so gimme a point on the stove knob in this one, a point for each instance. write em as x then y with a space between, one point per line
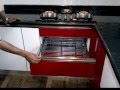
77 15
60 17
71 17
89 15
43 14
65 17
54 15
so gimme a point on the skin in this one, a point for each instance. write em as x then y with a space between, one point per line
7 19
30 57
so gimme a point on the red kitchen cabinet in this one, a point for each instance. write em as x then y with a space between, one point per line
64 69
100 58
74 69
61 32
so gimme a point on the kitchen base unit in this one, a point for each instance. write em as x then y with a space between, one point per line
65 51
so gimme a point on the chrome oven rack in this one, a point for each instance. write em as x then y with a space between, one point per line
65 49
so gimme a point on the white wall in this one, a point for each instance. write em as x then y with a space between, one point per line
1 4
36 2
65 2
109 79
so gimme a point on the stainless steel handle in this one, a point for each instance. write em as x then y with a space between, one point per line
57 46
69 59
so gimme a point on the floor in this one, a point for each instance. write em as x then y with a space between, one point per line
18 80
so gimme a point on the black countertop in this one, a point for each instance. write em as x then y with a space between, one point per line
108 31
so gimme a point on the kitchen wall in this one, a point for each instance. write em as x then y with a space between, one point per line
65 2
1 4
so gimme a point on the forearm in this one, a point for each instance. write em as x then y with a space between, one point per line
30 57
12 49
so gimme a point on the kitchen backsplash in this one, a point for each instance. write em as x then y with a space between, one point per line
37 9
63 2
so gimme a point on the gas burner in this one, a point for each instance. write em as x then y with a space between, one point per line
49 15
83 14
65 15
66 11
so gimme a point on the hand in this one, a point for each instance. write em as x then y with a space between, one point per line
32 58
11 20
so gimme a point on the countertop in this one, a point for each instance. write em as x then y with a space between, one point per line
108 31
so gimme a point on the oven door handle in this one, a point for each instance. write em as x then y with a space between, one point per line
69 59
64 59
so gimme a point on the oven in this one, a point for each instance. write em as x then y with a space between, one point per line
65 51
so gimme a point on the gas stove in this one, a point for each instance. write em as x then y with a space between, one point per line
65 15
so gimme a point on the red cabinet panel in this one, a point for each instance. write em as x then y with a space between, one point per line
63 69
72 69
52 32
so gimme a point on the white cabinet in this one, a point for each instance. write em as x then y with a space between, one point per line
10 61
23 38
31 41
109 79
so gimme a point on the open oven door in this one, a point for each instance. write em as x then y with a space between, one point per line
64 56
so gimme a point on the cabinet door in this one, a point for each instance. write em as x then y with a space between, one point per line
10 61
109 79
31 41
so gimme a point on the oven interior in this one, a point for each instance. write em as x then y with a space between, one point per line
62 49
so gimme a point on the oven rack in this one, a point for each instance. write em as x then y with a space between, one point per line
64 47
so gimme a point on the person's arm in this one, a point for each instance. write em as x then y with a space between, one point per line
30 57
